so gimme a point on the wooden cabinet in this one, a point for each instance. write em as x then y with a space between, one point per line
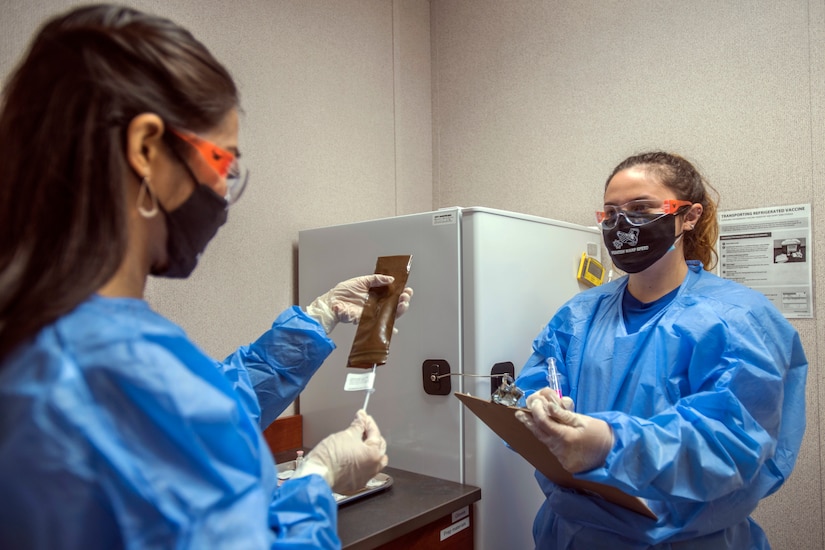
446 533
417 511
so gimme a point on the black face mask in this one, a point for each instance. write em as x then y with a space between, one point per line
190 227
634 248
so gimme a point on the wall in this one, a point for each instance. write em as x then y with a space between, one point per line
534 103
336 128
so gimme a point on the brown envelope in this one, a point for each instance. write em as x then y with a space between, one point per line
371 345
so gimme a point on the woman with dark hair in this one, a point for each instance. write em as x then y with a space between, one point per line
121 132
679 387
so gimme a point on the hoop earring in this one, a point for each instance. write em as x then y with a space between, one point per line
144 189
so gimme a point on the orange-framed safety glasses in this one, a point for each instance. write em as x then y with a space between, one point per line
215 167
638 212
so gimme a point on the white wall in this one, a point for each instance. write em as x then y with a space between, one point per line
325 121
337 128
331 136
535 102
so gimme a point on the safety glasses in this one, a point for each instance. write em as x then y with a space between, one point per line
215 167
639 212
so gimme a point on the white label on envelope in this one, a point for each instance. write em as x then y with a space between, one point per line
359 382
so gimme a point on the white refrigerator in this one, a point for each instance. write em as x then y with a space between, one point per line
486 282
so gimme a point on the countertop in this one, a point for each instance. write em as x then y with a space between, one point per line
413 501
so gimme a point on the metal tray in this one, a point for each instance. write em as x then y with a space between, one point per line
381 482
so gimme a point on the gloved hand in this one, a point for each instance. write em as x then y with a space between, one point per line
348 459
345 302
580 442
403 305
566 402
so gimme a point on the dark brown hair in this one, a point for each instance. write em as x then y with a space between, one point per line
63 119
679 175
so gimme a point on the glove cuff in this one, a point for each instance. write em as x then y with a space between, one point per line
600 448
320 310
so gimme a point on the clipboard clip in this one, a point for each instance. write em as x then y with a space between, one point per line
508 393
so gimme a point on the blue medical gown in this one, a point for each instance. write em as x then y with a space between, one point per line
117 431
707 406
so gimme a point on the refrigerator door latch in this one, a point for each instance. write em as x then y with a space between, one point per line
436 377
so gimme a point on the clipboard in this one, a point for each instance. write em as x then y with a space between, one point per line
502 420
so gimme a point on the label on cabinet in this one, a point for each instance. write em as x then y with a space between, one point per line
455 528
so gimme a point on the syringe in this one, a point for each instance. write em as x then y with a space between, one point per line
553 377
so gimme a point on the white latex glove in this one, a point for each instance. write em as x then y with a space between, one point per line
345 301
566 402
403 305
348 459
580 442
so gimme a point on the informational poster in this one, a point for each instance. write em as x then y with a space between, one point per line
768 249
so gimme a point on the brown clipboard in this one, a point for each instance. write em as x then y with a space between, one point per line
502 420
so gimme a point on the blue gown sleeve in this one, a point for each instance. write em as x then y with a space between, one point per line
147 446
720 390
271 372
533 375
199 433
739 421
304 514
706 403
